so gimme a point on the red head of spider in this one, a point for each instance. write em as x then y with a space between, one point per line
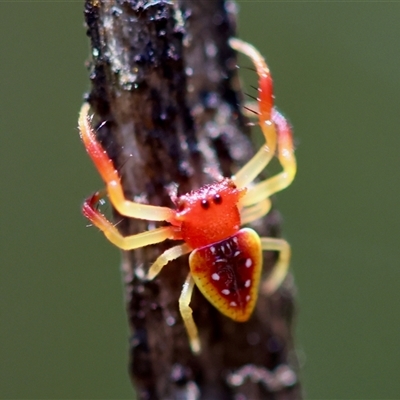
209 214
225 260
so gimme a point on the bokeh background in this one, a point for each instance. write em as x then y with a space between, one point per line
336 67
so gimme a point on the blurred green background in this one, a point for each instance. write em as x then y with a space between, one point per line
63 331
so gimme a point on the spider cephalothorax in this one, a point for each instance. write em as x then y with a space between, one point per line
209 214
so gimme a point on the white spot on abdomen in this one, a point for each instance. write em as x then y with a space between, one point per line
215 277
248 263
226 291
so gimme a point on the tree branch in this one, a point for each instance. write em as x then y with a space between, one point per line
166 93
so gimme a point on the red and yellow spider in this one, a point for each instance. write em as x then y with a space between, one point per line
225 261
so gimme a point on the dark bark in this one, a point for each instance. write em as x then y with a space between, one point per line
164 80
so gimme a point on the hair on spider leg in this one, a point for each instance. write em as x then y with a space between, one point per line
252 69
123 164
246 67
254 87
251 110
102 203
97 205
252 97
101 125
115 224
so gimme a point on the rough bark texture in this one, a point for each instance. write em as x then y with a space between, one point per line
165 81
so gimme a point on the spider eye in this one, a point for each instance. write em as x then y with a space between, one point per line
205 204
217 199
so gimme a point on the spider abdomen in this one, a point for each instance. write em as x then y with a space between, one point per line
228 273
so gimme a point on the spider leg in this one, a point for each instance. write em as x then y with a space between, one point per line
286 157
157 235
265 105
186 313
281 267
256 211
112 179
186 295
166 257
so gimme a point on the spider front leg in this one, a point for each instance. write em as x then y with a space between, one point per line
265 106
112 179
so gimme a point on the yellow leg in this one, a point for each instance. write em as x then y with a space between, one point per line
252 213
166 257
266 188
111 177
111 232
186 313
265 105
281 267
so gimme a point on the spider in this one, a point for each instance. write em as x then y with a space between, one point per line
225 260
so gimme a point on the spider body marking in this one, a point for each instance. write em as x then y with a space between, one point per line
225 260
